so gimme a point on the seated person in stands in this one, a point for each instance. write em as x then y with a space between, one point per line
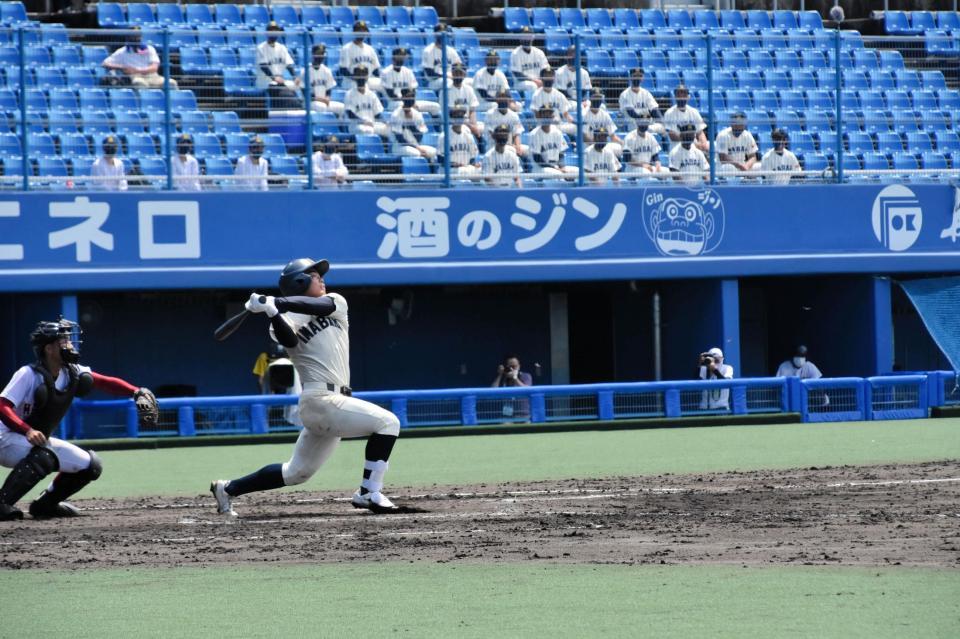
185 168
432 59
362 106
502 115
736 148
779 158
460 94
526 63
328 166
550 97
641 150
547 147
358 53
567 77
686 160
799 366
490 81
501 165
273 60
682 113
397 78
637 103
599 160
407 127
109 168
463 145
322 82
135 64
253 168
597 117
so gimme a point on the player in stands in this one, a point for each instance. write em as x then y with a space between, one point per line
736 148
432 60
567 76
501 164
460 94
599 160
463 145
397 78
489 81
686 160
526 62
641 150
502 115
779 158
357 53
680 114
407 128
639 104
597 117
548 145
548 96
322 82
362 107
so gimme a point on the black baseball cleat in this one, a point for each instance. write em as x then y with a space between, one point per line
10 513
40 510
375 502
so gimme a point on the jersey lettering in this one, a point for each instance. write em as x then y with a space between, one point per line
315 326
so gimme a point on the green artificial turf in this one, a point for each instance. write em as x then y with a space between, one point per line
485 601
452 461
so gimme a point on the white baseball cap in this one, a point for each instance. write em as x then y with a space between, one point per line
715 352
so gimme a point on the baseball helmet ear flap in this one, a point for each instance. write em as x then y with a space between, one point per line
295 278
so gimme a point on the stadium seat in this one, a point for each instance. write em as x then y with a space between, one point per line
876 122
60 98
141 14
851 162
811 21
13 14
67 55
922 21
758 20
515 19
598 19
948 142
905 121
813 161
935 120
92 56
818 121
764 99
140 145
54 34
396 18
881 80
948 20
933 80
666 81
36 56
896 100
240 82
738 100
813 59
9 145
855 81
918 142
207 145
41 145
787 60
732 20
949 100
777 80
896 23
415 166
679 19
785 20
695 80
544 18
908 79
198 15
905 162
889 143
49 78
626 19
747 79
826 79
110 15
423 17
170 14
273 144
788 120
236 144
891 60
925 101
371 15
820 99
705 20
572 19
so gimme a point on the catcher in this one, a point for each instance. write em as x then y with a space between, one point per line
32 405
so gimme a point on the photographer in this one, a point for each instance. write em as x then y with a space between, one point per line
509 374
711 367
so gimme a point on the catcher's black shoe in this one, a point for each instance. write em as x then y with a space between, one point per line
10 513
42 510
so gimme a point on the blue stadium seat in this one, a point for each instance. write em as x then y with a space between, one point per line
846 60
54 34
60 98
397 18
939 43
680 60
851 162
41 145
792 99
198 14
342 17
371 15
787 60
732 20
746 79
183 100
896 23
557 41
818 121
13 14
679 19
66 55
738 100
571 19
93 99
91 55
52 167
777 80
905 162
194 122
788 120
734 60
515 19
415 166
866 59
599 19
897 100
873 161
758 20
273 144
800 40
62 121
206 145
889 143
813 161
156 166
219 166
933 80
949 100
948 142
626 19
228 16
9 145
802 142
820 99
811 21
79 78
193 61
237 144
948 20
760 60
905 121
256 16
240 82
423 17
695 80
876 121
223 58
370 150
881 80
925 101
313 16
38 56
826 79
140 145
891 59
653 60
851 40
128 121
934 160
918 142
765 99
110 14
124 99
9 56
855 81
170 14
544 18
908 80
286 16
652 19
922 21
141 14
152 100
705 20
50 77
785 20
73 144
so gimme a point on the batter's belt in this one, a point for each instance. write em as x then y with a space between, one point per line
333 388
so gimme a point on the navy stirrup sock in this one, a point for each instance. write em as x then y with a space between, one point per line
266 478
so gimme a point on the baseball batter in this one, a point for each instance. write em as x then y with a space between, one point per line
313 326
31 407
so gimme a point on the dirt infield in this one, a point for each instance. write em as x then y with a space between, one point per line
868 516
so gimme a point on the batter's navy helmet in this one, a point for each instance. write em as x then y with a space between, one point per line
295 278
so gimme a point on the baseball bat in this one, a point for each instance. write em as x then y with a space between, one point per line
229 327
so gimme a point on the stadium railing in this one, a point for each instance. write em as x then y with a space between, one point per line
837 399
895 119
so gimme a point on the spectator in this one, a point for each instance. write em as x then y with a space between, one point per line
432 61
736 148
711 367
109 167
567 77
502 115
779 158
185 168
135 64
509 374
597 117
600 160
642 150
548 145
639 104
328 166
397 78
490 81
358 53
362 106
502 160
462 95
252 169
526 62
688 161
273 60
681 113
463 145
277 376
799 366
408 127
321 82
548 96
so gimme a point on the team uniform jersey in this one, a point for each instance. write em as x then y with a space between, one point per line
674 118
433 58
322 353
566 81
550 98
739 148
691 162
463 147
254 172
548 144
773 161
395 82
604 161
594 120
366 106
111 169
321 81
488 85
495 118
462 96
185 173
21 388
641 101
276 57
527 66
326 170
644 149
354 55
505 164
138 59
401 123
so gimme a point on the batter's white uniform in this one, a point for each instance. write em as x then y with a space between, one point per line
566 81
690 163
773 161
14 446
328 168
644 149
738 147
252 175
526 67
354 55
322 360
463 150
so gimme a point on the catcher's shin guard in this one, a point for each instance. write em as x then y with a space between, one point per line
38 463
64 485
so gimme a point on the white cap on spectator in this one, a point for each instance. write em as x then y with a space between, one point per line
715 352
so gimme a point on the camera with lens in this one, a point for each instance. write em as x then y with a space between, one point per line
706 358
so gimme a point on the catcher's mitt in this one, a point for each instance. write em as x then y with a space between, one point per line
148 411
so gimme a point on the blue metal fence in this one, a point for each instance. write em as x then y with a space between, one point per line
837 399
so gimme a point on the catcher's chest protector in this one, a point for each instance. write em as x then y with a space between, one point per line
51 405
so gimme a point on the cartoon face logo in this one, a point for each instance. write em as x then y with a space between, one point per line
683 226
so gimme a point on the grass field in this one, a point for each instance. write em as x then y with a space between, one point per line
506 600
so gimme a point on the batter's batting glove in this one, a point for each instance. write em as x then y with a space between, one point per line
148 411
268 306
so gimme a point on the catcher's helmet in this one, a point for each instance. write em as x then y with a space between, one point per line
295 278
62 330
